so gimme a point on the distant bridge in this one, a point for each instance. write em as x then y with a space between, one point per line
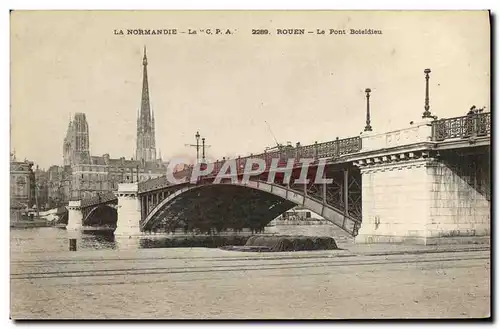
94 210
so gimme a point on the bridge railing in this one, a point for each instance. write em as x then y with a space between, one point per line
100 198
159 182
477 124
331 149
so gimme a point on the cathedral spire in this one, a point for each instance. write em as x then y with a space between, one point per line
146 150
145 107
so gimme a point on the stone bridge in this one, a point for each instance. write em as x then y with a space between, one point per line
92 211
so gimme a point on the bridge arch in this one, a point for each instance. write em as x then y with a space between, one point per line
285 197
103 214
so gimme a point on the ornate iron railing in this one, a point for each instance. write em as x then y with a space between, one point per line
332 149
472 125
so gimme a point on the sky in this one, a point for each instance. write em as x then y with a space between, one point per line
306 87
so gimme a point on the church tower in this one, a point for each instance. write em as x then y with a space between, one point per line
146 146
76 143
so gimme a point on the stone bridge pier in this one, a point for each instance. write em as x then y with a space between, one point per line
412 192
129 210
75 216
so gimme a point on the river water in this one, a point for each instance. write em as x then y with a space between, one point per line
52 239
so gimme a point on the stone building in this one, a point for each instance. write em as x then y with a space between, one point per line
22 183
42 188
59 185
94 174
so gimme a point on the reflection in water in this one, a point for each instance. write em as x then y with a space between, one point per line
51 239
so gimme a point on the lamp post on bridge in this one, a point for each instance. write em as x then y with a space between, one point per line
427 113
368 127
197 136
203 150
197 145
